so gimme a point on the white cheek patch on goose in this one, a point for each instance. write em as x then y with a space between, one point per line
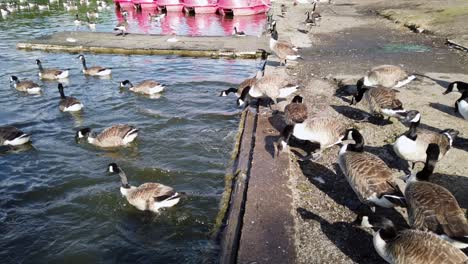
449 137
416 118
111 169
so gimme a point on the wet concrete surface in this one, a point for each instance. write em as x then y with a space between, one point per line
100 42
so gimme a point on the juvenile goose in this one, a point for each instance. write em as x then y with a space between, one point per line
239 33
271 86
461 105
380 101
25 86
148 87
460 86
283 50
51 74
149 196
370 178
95 70
412 145
327 131
68 103
114 136
389 76
122 27
246 83
412 246
431 207
12 136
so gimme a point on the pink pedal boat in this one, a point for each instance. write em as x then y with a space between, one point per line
170 5
145 4
243 7
123 3
201 6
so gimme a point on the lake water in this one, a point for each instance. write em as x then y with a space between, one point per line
58 204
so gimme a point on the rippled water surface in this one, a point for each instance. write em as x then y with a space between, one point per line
58 204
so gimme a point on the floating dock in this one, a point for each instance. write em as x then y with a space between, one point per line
248 47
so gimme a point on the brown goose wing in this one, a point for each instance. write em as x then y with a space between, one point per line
67 102
434 208
246 83
95 69
295 113
284 49
386 98
25 85
152 192
116 131
367 174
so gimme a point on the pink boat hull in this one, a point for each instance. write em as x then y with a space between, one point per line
123 3
201 6
145 4
243 7
170 5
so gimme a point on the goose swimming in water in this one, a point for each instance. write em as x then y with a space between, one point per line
149 196
148 87
114 136
25 86
431 207
51 74
94 70
12 136
68 103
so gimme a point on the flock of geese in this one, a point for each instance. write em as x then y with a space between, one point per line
439 227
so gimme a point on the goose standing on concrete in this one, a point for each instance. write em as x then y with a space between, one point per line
283 50
412 145
370 178
114 136
51 74
461 105
12 136
273 86
25 86
327 131
95 70
148 196
68 103
389 76
148 87
315 17
431 207
246 83
460 86
380 101
122 27
412 246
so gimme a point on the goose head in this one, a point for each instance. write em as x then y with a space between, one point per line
432 155
412 116
353 140
124 83
38 62
83 133
81 57
297 99
113 168
274 34
451 86
241 99
451 134
14 79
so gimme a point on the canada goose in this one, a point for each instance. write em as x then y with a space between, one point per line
370 178
25 86
43 7
412 145
315 16
380 100
122 27
327 131
32 5
246 83
68 103
431 207
460 86
389 76
412 246
124 13
5 12
51 74
95 70
114 136
149 196
270 86
148 87
77 21
283 50
91 25
12 136
156 17
239 33
284 9
461 105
